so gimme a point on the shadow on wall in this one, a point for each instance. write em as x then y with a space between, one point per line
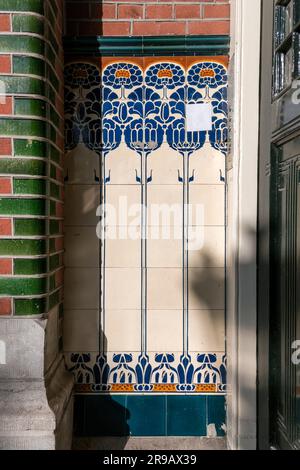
109 414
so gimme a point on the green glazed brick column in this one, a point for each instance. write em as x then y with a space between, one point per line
31 149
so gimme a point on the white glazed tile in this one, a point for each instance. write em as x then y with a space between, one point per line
122 288
164 204
206 247
81 247
164 253
206 288
208 200
208 165
164 289
123 204
122 164
81 203
81 165
164 330
123 330
164 164
122 253
206 330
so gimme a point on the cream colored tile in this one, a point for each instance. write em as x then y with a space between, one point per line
208 165
81 330
122 253
206 247
81 165
123 330
81 247
164 330
122 288
164 164
122 165
123 204
164 289
82 288
206 330
208 200
164 205
81 202
164 253
206 288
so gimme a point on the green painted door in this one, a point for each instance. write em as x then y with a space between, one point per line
279 263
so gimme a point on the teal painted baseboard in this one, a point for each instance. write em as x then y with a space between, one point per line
146 415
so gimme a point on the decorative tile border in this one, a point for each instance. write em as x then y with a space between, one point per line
132 98
198 373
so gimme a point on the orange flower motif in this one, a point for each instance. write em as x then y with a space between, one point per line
165 73
123 73
204 73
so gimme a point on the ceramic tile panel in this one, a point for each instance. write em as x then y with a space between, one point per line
79 330
123 330
158 129
81 203
82 247
82 288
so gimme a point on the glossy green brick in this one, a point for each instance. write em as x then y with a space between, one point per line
30 107
28 23
22 44
30 306
29 65
23 286
23 127
14 206
30 227
52 247
54 227
52 208
30 266
23 85
30 148
18 166
54 190
54 262
53 172
22 247
29 186
36 6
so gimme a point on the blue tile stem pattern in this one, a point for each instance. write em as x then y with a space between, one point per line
145 109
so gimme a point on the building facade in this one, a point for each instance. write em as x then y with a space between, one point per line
128 228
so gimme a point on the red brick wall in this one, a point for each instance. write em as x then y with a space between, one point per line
147 17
